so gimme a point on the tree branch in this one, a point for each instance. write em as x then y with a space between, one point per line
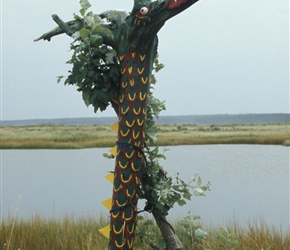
64 26
75 25
69 28
171 239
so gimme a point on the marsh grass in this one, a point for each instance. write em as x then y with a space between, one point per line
74 137
82 233
49 234
56 137
275 134
257 235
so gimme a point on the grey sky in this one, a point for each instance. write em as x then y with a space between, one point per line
221 56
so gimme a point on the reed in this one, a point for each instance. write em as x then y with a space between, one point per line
257 235
49 234
74 137
82 233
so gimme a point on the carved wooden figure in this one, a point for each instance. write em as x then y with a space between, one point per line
134 37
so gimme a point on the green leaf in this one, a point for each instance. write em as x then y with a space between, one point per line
86 97
96 40
82 11
58 79
156 105
151 133
161 243
152 136
84 33
140 217
96 107
89 19
187 195
76 36
199 181
91 73
85 4
196 217
114 73
181 202
108 156
198 192
200 234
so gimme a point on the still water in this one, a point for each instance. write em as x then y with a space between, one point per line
249 182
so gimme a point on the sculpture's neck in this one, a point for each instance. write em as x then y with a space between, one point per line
134 89
136 68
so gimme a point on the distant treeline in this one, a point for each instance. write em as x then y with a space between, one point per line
225 119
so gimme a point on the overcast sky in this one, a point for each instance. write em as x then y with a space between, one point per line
220 56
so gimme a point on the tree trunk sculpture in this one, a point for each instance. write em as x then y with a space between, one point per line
134 37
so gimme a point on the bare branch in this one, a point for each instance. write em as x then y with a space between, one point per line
69 28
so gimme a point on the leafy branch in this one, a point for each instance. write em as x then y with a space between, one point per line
95 66
162 192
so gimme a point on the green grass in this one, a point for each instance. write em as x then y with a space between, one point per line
275 134
257 235
56 137
50 234
73 137
82 233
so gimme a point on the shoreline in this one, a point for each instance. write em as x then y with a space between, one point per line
77 137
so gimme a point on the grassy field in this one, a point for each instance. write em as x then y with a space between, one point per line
73 137
82 233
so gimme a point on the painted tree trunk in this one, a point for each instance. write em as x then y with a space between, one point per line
137 50
134 88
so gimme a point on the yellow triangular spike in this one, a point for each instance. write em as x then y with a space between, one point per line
114 126
107 203
105 231
110 177
113 151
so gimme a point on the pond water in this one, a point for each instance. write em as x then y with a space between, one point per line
249 182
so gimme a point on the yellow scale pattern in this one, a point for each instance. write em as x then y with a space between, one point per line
134 86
